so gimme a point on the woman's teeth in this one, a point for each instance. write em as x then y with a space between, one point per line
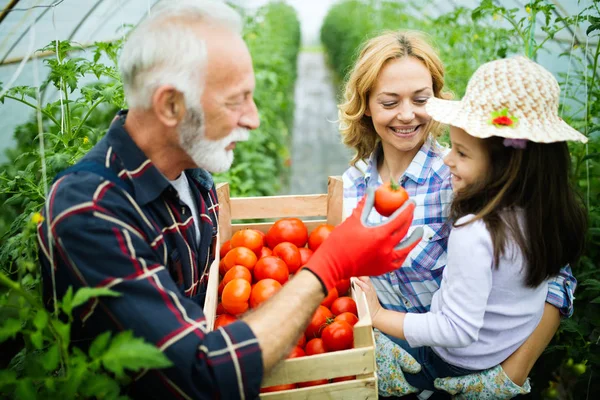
405 131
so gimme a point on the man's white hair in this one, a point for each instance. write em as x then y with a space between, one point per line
164 49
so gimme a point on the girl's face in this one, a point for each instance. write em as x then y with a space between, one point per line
397 104
468 160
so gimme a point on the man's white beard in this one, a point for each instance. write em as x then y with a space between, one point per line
207 154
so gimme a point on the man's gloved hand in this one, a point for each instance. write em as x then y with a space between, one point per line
392 362
491 383
356 248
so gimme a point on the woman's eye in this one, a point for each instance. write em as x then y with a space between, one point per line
421 101
389 104
460 153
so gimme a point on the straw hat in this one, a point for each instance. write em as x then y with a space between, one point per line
513 98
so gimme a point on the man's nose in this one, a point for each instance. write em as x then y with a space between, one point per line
250 119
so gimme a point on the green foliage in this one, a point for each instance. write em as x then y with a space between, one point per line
466 39
36 356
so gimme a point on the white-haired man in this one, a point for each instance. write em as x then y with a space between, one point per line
138 214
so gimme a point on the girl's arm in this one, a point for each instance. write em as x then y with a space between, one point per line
520 363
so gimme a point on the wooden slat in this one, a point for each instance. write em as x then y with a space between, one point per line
322 366
335 192
210 302
360 389
363 330
313 205
224 212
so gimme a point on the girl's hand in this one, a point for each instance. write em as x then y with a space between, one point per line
372 301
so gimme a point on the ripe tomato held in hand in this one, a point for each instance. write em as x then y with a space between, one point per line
331 296
271 267
315 346
224 319
343 286
318 236
338 335
289 253
318 322
287 230
262 290
235 296
248 238
389 197
348 317
240 256
344 304
305 254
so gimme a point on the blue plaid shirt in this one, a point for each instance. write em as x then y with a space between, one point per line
427 181
144 246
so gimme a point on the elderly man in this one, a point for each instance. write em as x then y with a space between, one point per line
139 214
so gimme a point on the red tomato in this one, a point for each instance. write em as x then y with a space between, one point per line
289 253
343 304
348 317
265 252
338 335
389 197
318 322
343 286
287 230
220 309
315 346
222 268
313 383
248 238
278 388
297 352
305 254
237 271
261 233
343 379
224 319
235 296
331 296
263 290
318 236
225 249
271 267
302 341
240 256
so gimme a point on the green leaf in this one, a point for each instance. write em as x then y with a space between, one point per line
9 329
100 387
37 339
25 390
86 293
40 321
7 377
127 352
99 345
51 359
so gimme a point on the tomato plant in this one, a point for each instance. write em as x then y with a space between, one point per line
235 296
262 290
344 304
338 335
289 253
271 267
248 238
318 235
318 322
287 230
389 197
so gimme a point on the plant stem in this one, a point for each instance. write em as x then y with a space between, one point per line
87 115
50 116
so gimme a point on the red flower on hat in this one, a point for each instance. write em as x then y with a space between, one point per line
502 118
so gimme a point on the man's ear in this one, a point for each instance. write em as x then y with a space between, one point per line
168 105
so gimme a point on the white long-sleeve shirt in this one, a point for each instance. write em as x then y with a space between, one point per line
481 314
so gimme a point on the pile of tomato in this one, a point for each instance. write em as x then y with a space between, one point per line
254 266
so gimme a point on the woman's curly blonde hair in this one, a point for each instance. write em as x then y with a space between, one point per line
357 128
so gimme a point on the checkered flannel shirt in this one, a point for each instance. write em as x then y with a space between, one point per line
427 181
144 246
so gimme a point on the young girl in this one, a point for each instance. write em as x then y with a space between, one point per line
516 222
383 118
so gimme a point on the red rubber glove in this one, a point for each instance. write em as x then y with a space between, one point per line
355 248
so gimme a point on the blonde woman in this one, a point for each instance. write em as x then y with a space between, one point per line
383 118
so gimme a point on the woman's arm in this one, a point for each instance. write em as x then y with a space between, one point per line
520 363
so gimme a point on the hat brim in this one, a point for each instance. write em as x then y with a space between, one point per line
457 113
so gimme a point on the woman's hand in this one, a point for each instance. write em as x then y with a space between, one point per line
372 301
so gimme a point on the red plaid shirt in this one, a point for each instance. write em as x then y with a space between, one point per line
144 246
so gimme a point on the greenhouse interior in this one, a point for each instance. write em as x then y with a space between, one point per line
316 133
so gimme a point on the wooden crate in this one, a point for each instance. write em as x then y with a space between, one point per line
360 361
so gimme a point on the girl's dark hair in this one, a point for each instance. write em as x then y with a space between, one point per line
536 180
